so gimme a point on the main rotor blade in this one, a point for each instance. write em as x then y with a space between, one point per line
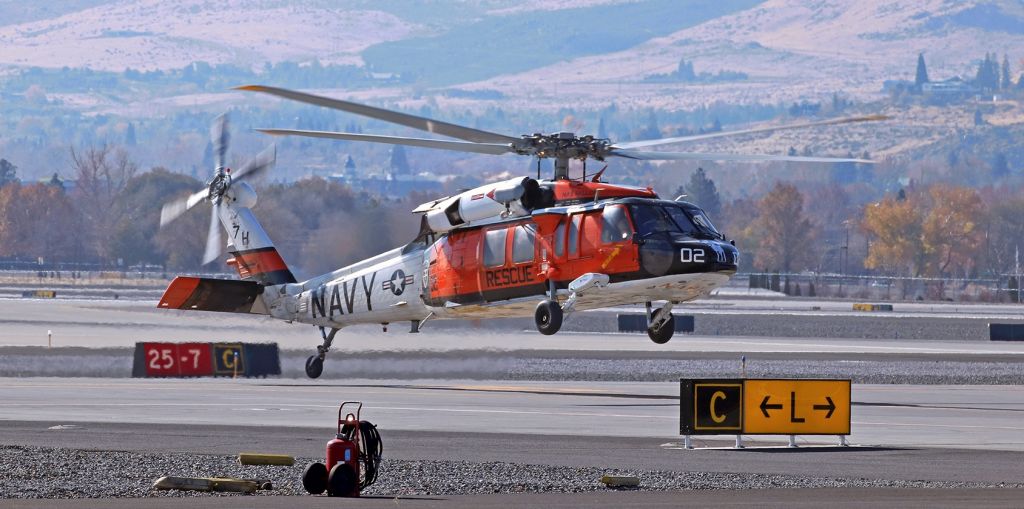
213 245
172 210
256 166
421 123
461 146
219 138
756 130
711 156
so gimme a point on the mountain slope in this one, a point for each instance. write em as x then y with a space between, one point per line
798 49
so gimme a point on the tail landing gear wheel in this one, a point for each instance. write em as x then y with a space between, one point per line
548 317
342 481
314 478
662 334
314 366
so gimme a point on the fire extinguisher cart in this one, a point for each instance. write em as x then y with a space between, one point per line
353 457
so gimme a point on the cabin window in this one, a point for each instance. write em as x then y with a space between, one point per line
574 234
560 240
522 243
590 234
615 225
494 247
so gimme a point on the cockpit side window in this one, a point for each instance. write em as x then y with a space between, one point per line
615 224
651 219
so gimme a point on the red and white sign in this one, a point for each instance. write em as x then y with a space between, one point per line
178 359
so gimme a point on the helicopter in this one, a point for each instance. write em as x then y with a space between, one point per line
521 247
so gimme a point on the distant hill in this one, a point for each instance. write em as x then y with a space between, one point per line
534 50
794 49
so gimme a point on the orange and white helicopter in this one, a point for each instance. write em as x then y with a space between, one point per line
520 247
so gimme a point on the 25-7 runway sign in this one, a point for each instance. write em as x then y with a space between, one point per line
764 406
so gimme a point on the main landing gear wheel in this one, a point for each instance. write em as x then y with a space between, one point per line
314 478
548 317
662 334
314 366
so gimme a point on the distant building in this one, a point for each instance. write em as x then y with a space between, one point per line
954 86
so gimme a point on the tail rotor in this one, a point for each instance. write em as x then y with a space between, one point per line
218 186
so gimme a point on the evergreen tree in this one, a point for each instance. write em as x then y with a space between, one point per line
651 130
55 181
8 172
702 191
1006 82
350 166
1000 166
921 77
399 163
129 135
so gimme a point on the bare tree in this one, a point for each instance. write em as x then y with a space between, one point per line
101 175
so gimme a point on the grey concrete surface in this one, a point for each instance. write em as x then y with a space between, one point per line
975 417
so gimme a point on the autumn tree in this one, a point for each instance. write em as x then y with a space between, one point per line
894 226
951 232
134 238
787 235
37 221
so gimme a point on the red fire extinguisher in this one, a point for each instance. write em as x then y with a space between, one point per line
353 457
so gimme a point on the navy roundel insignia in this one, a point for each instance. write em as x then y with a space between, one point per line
398 282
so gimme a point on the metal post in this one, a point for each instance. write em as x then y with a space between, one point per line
739 442
843 442
792 441
49 339
743 366
686 442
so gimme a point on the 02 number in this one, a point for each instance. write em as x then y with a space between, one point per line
688 255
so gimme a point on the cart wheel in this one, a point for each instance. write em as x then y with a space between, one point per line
314 478
342 481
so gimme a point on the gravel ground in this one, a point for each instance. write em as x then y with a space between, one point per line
36 472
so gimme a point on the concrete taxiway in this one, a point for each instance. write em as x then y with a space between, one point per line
967 417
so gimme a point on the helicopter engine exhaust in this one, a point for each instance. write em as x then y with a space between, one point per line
509 198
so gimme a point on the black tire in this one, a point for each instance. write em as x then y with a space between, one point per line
314 478
314 366
548 317
664 333
342 481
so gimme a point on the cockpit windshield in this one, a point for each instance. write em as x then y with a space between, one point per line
693 222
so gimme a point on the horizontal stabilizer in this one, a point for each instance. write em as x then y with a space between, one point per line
206 294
